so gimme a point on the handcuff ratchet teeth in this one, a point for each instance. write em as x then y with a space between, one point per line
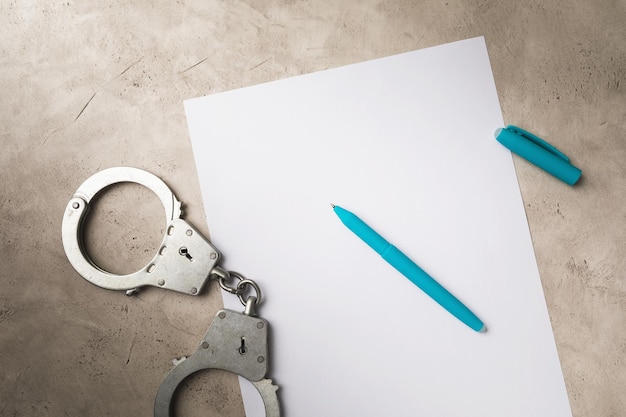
184 259
234 342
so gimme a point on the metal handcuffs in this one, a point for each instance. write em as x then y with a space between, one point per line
235 342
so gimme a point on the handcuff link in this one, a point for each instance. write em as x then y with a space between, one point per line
242 349
183 261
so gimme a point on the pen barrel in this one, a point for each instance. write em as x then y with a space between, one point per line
432 288
539 156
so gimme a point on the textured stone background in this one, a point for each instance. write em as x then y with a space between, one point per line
89 85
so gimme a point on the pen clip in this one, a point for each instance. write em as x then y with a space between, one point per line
537 140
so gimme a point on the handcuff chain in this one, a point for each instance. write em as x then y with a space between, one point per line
223 277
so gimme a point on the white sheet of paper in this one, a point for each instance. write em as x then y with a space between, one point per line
406 143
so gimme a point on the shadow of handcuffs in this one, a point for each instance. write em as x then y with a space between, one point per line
234 342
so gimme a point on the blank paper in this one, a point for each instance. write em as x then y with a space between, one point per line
405 142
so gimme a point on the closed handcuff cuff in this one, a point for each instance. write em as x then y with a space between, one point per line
235 342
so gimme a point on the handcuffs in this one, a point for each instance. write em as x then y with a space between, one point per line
235 342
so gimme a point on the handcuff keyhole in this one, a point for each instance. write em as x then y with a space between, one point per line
243 349
185 252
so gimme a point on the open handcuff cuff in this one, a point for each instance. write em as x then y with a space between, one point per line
235 342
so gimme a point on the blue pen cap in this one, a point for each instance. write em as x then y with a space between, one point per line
538 152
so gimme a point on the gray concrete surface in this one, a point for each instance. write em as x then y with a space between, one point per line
89 85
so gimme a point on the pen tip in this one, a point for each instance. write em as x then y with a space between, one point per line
332 205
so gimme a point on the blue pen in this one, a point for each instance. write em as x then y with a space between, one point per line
409 269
